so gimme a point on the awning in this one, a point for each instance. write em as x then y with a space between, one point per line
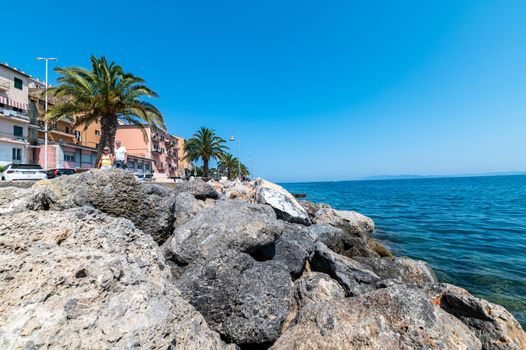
17 104
3 100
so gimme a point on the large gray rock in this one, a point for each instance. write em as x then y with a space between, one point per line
401 270
198 188
294 246
14 199
314 287
354 277
245 300
231 224
186 207
80 279
286 206
353 223
393 318
496 328
115 192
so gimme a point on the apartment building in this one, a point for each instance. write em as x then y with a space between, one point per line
154 144
14 119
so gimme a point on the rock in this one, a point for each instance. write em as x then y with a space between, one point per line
354 277
231 224
294 247
14 199
245 300
492 324
115 192
186 207
314 287
393 318
355 224
217 185
82 279
198 188
403 270
239 190
286 206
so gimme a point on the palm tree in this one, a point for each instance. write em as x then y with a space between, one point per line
230 164
104 94
204 145
227 163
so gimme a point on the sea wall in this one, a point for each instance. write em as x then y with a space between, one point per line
98 260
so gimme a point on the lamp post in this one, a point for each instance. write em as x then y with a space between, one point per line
232 138
47 59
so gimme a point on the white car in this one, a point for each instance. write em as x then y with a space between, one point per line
23 172
143 177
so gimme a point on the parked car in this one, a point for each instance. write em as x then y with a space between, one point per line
52 173
144 177
23 172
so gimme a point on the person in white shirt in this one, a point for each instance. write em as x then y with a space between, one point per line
121 156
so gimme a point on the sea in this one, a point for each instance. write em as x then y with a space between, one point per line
471 230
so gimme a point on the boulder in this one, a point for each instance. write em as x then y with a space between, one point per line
401 269
245 300
353 223
186 207
294 247
115 192
198 188
496 328
80 279
314 287
399 317
14 199
239 190
286 206
231 224
354 277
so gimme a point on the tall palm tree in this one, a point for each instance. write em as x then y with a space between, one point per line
204 145
104 94
228 163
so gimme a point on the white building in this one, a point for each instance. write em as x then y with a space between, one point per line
14 118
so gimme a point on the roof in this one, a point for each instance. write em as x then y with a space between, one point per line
14 69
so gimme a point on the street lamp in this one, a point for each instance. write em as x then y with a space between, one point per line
47 59
232 139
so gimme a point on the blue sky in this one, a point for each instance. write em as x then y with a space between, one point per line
318 90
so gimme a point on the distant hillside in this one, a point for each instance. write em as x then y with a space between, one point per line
408 177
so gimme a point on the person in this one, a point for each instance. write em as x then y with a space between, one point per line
121 156
106 159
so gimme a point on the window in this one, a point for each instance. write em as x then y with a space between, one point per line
67 130
17 155
18 83
69 157
97 132
96 145
18 131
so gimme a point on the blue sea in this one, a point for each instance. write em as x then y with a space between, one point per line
471 230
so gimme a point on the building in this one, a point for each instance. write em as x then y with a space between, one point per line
183 165
153 143
14 119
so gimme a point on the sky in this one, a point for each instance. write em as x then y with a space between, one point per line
315 90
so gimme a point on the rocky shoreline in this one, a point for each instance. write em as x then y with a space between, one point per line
98 260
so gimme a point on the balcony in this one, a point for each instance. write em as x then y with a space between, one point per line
14 114
7 137
5 84
55 129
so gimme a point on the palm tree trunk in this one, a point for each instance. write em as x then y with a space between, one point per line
108 129
205 168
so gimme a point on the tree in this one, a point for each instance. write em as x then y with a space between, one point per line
204 145
104 94
230 165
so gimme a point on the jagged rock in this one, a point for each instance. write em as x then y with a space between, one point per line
315 287
403 270
198 188
186 207
354 277
115 192
231 224
14 199
245 300
496 328
393 318
351 222
80 279
239 190
286 206
293 247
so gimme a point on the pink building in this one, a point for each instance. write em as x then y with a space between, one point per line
154 144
